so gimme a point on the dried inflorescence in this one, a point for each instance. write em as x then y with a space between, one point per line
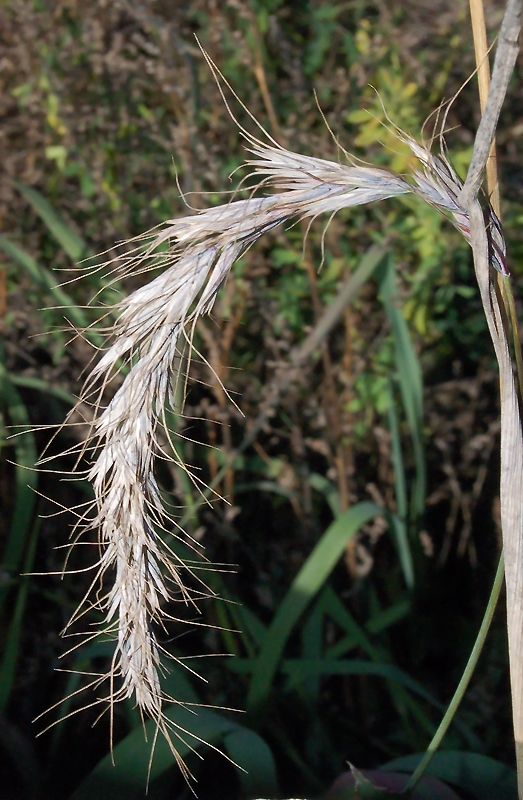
155 324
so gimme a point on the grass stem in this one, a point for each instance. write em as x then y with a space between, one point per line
465 678
507 296
479 34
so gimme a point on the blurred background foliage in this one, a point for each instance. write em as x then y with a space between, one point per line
362 515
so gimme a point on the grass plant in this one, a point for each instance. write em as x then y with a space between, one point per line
154 325
135 438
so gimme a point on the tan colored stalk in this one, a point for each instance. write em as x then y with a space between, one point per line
511 490
479 33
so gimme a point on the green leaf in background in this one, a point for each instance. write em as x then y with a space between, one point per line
124 774
45 387
47 281
71 242
305 586
410 384
22 532
9 662
382 785
25 457
252 753
481 777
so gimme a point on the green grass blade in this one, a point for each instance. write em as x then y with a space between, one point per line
410 382
10 655
252 628
465 678
305 586
74 245
389 616
398 523
402 688
251 751
312 641
26 480
356 635
325 487
265 486
43 278
409 371
225 625
44 387
300 669
400 479
400 533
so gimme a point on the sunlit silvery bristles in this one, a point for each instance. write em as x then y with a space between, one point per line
154 325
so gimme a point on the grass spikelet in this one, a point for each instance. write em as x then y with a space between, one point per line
154 324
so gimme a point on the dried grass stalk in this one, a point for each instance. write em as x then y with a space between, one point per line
511 495
155 323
